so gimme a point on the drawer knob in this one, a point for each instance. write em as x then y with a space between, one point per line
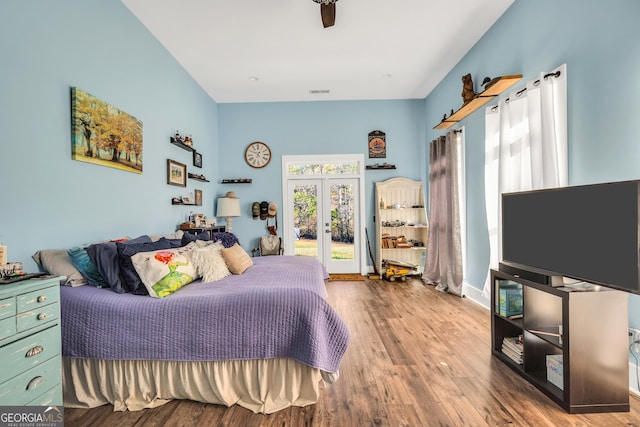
42 316
42 298
35 383
35 350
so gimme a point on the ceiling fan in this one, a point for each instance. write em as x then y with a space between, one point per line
328 12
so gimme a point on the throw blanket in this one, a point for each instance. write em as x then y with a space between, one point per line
275 309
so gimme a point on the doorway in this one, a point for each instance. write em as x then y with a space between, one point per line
323 213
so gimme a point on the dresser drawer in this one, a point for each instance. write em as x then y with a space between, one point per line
7 307
52 397
37 317
29 385
7 327
30 351
39 298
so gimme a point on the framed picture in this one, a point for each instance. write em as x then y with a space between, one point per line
91 143
198 196
197 159
176 173
377 145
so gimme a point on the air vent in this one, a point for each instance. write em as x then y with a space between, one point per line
318 91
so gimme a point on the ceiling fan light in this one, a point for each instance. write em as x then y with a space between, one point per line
325 2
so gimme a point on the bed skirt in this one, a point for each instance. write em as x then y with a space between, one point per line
262 386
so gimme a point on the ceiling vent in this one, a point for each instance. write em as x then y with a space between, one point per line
318 91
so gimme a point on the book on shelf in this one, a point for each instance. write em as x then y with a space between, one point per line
518 358
514 343
513 348
509 301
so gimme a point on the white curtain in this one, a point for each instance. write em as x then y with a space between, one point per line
525 147
443 265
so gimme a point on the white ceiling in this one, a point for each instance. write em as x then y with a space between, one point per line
277 50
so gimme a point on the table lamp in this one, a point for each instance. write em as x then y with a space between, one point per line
228 207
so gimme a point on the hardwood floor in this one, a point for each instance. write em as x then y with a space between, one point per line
417 357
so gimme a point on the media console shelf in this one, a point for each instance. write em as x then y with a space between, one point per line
586 330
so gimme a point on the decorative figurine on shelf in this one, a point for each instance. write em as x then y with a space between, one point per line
488 82
177 138
467 89
188 141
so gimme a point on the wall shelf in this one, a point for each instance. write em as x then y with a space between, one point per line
197 177
494 88
236 181
380 166
181 145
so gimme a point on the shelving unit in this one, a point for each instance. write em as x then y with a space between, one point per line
400 211
588 329
499 85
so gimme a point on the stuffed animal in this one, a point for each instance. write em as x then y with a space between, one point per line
467 89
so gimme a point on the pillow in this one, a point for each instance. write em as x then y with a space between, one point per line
228 239
190 237
57 261
171 236
165 271
105 257
209 262
237 259
129 278
80 259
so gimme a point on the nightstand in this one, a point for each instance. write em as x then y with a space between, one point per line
30 349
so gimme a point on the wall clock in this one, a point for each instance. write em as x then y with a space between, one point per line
257 154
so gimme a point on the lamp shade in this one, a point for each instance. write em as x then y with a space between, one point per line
228 207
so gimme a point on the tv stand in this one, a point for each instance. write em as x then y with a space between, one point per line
586 329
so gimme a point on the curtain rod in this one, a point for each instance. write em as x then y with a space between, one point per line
535 83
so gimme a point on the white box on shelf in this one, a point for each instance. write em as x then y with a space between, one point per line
554 370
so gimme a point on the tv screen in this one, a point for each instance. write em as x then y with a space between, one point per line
585 232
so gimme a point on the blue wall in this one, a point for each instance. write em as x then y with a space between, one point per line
51 201
315 128
599 43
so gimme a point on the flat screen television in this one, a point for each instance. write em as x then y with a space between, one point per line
588 232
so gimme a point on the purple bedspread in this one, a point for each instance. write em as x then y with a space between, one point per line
275 309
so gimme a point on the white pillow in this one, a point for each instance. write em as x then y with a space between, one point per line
209 262
166 270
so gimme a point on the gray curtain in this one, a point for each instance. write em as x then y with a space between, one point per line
443 265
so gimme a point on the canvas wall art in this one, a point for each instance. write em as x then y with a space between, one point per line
103 134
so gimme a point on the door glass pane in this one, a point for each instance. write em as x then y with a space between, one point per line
342 222
326 168
305 220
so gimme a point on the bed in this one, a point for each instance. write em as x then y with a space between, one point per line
263 339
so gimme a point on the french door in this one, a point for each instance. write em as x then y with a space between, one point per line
323 218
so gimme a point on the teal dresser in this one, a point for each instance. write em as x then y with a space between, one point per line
30 354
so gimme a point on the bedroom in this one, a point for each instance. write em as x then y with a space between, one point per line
63 44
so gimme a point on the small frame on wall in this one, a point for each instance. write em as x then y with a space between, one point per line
197 159
198 197
377 144
176 173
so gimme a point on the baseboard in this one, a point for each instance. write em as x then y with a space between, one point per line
475 295
633 379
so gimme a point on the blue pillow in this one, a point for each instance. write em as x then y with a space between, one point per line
228 239
80 260
190 237
105 258
129 277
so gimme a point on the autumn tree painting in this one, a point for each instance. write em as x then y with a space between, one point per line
103 134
